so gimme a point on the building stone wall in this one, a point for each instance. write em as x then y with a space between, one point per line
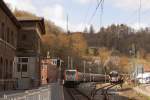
29 39
49 71
19 38
29 46
8 41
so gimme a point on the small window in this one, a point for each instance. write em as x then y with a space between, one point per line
3 31
1 61
24 67
8 35
12 38
1 65
25 60
18 67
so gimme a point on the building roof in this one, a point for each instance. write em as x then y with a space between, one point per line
4 7
39 20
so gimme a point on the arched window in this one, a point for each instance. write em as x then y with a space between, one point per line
6 69
10 69
8 35
3 31
0 31
1 67
12 38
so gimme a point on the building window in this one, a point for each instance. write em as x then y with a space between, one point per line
1 67
6 69
12 39
0 31
23 60
3 31
18 68
10 69
24 68
8 35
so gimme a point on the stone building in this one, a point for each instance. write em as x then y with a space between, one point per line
27 62
49 71
9 27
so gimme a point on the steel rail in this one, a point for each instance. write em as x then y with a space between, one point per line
71 92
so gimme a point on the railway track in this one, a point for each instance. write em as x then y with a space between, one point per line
104 92
76 94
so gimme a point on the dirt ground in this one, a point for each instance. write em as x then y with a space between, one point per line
127 91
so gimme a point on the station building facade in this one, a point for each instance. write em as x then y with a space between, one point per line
9 27
28 57
20 50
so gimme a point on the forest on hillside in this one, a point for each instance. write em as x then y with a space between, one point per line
121 38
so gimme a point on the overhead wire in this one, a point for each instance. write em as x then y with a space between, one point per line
93 15
85 17
101 14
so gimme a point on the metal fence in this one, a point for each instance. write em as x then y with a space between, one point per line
42 93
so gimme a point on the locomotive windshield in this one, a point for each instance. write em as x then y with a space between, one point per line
70 72
70 75
113 74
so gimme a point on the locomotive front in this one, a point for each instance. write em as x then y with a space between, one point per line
71 77
114 77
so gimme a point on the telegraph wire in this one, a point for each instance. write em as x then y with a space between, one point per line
101 14
86 16
93 15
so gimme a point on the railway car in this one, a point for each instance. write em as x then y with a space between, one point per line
74 77
114 77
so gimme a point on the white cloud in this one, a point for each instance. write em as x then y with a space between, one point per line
137 27
86 1
55 13
26 5
131 4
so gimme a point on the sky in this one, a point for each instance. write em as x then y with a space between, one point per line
80 11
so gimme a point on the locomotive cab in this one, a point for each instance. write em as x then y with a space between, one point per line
71 77
114 77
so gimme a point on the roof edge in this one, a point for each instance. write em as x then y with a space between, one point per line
8 12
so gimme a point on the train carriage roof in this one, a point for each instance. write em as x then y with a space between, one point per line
71 70
113 72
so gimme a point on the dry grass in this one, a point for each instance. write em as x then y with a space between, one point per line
128 91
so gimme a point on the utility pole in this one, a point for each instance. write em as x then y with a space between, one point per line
68 62
105 73
71 63
133 53
90 74
67 25
84 69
